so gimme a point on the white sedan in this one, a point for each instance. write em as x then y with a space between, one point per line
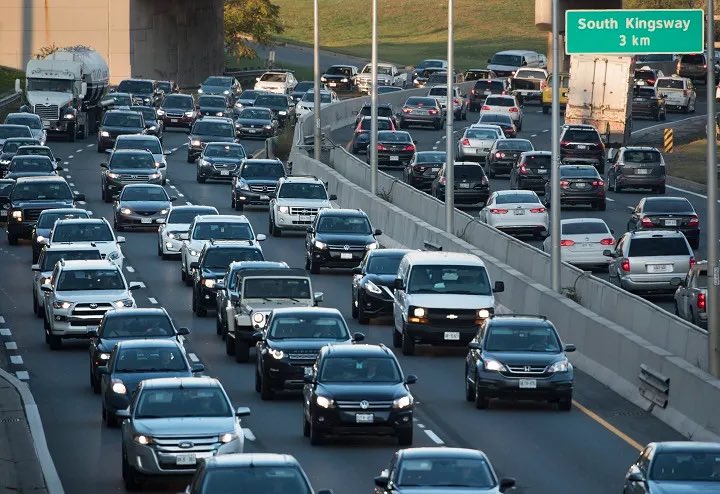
516 212
307 103
583 241
507 104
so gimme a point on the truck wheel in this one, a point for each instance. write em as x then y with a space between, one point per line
12 239
242 350
54 341
72 133
408 344
229 346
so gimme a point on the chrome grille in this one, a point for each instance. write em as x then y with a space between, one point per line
263 188
220 166
524 371
304 211
134 178
351 248
302 354
86 315
199 444
174 114
372 405
31 214
48 112
452 317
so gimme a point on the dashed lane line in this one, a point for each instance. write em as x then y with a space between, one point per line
180 194
90 145
435 438
141 284
66 163
188 203
248 434
78 150
23 375
5 332
16 359
152 300
2 320
71 184
70 157
130 269
11 345
193 357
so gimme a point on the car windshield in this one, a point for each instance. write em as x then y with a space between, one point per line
339 70
166 86
34 164
670 84
193 401
344 224
7 131
30 120
123 120
270 170
442 279
384 264
34 150
218 81
182 216
50 85
152 145
402 137
384 70
497 118
468 172
517 197
530 74
222 129
273 77
148 113
52 257
693 59
485 85
430 157
678 205
310 97
132 326
429 63
48 218
421 102
303 87
297 288
308 326
223 231
132 161
659 246
224 151
48 191
644 92
686 466
580 135
644 74
644 157
255 480
270 100
583 227
135 87
579 172
212 101
514 145
150 359
144 194
179 101
12 146
256 114
359 370
302 191
438 91
382 124
90 279
91 231
502 59
481 134
445 472
221 258
519 338
499 101
119 99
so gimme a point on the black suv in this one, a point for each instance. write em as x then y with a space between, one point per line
518 357
357 389
128 324
10 147
338 238
32 195
178 110
146 92
471 184
666 213
484 88
287 349
153 124
384 110
213 264
219 161
503 154
214 105
256 182
209 129
118 122
373 282
127 166
582 144
282 106
531 171
648 103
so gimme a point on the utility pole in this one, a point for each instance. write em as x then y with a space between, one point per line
555 260
449 139
316 63
374 103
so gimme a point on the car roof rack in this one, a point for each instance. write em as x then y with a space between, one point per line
534 316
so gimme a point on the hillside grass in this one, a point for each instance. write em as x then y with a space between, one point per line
7 79
412 30
688 161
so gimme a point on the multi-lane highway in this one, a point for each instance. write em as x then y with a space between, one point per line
536 127
587 450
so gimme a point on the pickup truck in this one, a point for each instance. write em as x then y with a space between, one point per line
259 292
691 295
529 83
387 74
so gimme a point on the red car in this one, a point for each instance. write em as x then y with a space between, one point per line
178 110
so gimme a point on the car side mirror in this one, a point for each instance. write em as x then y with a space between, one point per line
184 236
358 337
103 165
194 265
410 379
318 297
631 209
260 237
93 333
570 348
120 240
258 336
79 197
357 270
197 368
59 168
381 481
677 282
123 414
333 197
636 476
35 267
173 198
167 153
310 229
378 232
183 331
499 287
398 284
103 370
242 412
474 345
608 253
506 484
46 287
135 285
309 379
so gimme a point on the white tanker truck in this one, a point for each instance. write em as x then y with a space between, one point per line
65 89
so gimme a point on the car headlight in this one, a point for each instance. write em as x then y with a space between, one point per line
268 127
324 402
155 175
258 317
17 215
40 238
146 100
483 313
494 365
344 79
195 142
4 162
128 302
282 112
372 287
189 113
171 235
61 304
403 402
203 163
160 113
113 175
113 256
372 246
209 283
227 437
143 439
119 388
104 356
163 211
277 354
284 209
68 116
419 312
323 79
126 211
153 127
238 125
226 91
560 366
242 185
219 114
320 245
104 133
194 253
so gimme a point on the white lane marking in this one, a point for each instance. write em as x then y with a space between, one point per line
16 359
71 184
433 436
90 145
167 180
435 148
71 157
11 345
188 203
173 150
23 375
534 135
5 332
130 269
2 320
180 194
248 434
68 176
182 145
141 284
193 357
152 300
78 150
65 163
546 130
173 187
687 191
422 426
82 202
608 199
75 192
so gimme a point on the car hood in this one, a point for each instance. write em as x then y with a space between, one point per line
214 89
524 358
268 84
215 159
133 171
124 130
82 296
45 204
185 426
678 487
351 391
204 138
48 98
344 239
213 273
303 203
252 121
450 301
176 110
261 181
107 344
444 490
304 344
145 205
381 279
132 379
16 175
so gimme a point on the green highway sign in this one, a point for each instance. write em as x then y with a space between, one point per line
627 32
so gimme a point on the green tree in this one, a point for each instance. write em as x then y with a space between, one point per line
250 20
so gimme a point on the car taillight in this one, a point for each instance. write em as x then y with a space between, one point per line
456 101
433 112
598 183
694 221
537 210
646 221
701 303
466 141
685 92
564 184
499 211
504 93
381 147
566 243
514 109
651 82
485 107
409 147
473 92
523 170
443 180
407 110
607 241
692 262
499 155
564 143
625 265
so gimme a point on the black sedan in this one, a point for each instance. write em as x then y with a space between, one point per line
10 147
372 284
282 106
256 122
666 213
503 154
471 184
579 184
395 148
214 105
531 171
340 77
256 182
289 347
118 122
153 124
384 110
219 161
647 103
423 168
141 205
31 166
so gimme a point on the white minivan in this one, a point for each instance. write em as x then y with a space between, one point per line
505 63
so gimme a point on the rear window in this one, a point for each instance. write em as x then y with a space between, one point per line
483 85
644 157
512 60
518 197
514 145
468 171
481 134
668 206
499 101
579 135
496 118
658 57
671 84
381 124
644 92
438 91
693 59
644 74
660 246
579 172
540 160
421 102
584 227
394 137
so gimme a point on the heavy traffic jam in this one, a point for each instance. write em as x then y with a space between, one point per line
174 419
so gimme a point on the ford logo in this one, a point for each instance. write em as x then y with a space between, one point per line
186 445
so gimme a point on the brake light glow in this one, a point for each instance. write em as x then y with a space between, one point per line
514 109
646 221
598 183
537 210
443 180
625 265
407 110
607 241
410 147
466 141
701 303
456 101
523 170
692 262
694 221
564 143
381 147
485 107
564 184
433 112
567 243
499 211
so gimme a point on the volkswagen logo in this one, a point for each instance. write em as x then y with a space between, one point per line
346 247
527 368
186 445
364 404
452 316
93 306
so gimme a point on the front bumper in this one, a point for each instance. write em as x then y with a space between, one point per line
139 221
440 335
249 132
251 197
20 229
345 421
558 386
390 158
148 460
207 297
649 283
177 121
335 258
286 221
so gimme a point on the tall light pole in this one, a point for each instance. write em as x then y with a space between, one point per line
316 63
449 140
713 302
373 103
555 260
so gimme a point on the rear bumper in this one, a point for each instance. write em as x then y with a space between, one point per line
640 181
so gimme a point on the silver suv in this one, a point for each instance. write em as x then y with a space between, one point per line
296 203
649 260
172 424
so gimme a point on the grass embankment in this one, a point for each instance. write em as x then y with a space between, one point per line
7 79
688 161
412 30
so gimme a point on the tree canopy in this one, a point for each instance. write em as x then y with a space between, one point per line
250 20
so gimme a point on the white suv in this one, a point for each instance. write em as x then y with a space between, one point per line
96 231
177 224
205 228
296 203
78 296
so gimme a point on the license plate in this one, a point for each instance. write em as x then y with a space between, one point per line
464 186
434 170
587 245
488 92
174 120
308 371
581 185
186 459
642 171
519 211
394 158
452 335
659 268
3 212
364 418
252 131
345 255
225 173
305 218
146 220
582 146
264 198
542 171
333 84
527 383
670 222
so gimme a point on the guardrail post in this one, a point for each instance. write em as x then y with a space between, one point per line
668 141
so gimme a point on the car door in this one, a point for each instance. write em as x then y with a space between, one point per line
614 266
643 466
357 277
399 296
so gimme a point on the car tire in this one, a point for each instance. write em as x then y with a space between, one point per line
361 316
266 392
239 206
408 344
314 267
218 325
200 180
397 338
131 479
229 346
469 390
661 189
617 188
242 351
274 230
353 309
258 385
12 239
190 159
200 311
602 206
106 197
438 125
481 401
117 226
306 426
316 437
565 405
55 342
405 437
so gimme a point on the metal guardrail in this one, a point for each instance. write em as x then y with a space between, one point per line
654 386
432 246
10 99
